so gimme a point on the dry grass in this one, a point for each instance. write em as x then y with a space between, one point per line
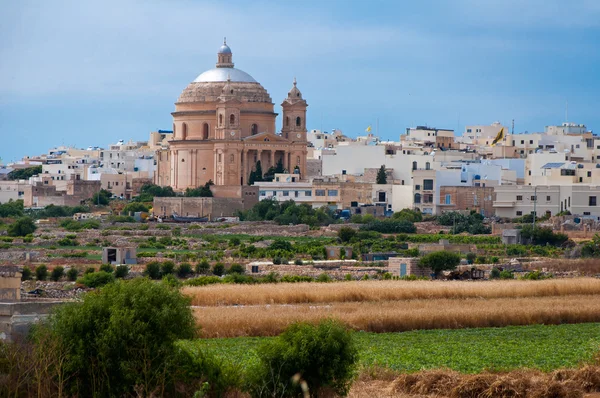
585 266
285 293
520 383
398 316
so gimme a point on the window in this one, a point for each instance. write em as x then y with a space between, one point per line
428 184
184 131
274 193
417 198
533 197
531 141
332 192
417 187
519 198
414 167
296 194
427 166
468 130
547 198
286 193
254 129
220 120
307 193
263 193
587 213
232 119
589 173
567 172
519 213
522 141
529 172
298 121
592 201
448 199
319 192
287 120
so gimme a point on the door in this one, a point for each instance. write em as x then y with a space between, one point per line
402 269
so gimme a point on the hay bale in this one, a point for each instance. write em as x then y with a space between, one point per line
435 382
404 383
473 386
508 386
562 374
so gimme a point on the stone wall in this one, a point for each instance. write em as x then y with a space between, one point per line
16 318
314 168
10 283
412 267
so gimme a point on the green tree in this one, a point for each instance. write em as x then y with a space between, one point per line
440 261
323 355
218 269
381 176
26 273
408 215
153 270
202 192
202 267
22 227
120 341
236 269
41 272
102 198
134 207
346 234
72 274
96 279
57 273
184 270
12 208
121 271
24 174
167 267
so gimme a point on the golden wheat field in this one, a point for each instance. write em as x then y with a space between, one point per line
394 306
359 291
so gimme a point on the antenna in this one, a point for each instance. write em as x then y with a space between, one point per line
513 127
567 112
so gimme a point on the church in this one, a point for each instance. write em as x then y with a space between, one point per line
224 123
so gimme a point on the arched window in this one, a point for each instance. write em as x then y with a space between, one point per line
414 166
254 129
205 131
427 166
184 131
221 120
232 119
298 121
287 121
417 198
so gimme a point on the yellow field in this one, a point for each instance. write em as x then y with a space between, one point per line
266 310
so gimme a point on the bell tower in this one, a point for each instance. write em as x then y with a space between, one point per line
294 116
224 57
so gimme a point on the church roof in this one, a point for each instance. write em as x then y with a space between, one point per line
221 74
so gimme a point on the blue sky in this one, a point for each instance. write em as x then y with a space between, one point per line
92 72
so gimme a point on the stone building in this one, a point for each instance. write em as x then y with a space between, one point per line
224 123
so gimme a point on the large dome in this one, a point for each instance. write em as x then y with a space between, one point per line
222 74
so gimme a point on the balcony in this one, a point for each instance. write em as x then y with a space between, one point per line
504 203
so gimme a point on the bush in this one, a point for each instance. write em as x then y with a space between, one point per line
121 271
323 355
57 273
167 267
89 270
495 273
481 260
153 270
22 227
471 257
132 326
218 269
298 262
72 274
134 207
107 268
41 273
67 242
202 267
276 260
324 277
26 273
409 215
96 279
348 277
542 236
236 269
346 234
506 275
184 270
390 226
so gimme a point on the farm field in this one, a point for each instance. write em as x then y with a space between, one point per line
543 347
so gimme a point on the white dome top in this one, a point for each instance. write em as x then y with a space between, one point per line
221 75
224 49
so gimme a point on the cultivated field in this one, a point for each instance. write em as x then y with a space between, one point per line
394 306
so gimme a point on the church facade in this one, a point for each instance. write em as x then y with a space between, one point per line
224 123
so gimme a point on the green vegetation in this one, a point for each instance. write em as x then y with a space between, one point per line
73 225
149 191
41 272
473 223
542 236
121 271
288 212
390 226
440 261
134 207
96 279
72 274
57 273
591 248
381 177
58 211
26 273
323 356
12 208
544 347
202 192
22 227
24 174
102 197
409 215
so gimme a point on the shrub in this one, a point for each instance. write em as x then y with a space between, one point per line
22 227
153 270
26 273
96 279
481 260
107 268
57 273
72 274
89 270
236 269
495 273
390 226
235 241
171 281
167 267
121 271
218 269
348 277
132 326
41 273
324 277
409 215
202 267
346 234
323 355
298 262
495 260
471 257
506 275
184 270
134 207
276 260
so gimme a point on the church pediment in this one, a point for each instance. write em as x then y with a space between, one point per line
265 137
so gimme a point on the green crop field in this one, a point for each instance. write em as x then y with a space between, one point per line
465 350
